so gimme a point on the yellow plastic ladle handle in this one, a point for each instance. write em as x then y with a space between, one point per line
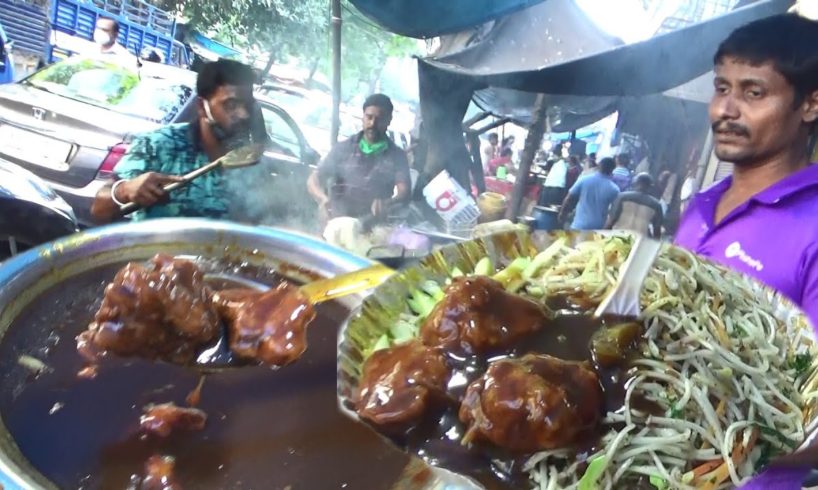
346 284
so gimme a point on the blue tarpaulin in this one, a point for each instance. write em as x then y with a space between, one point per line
430 18
210 49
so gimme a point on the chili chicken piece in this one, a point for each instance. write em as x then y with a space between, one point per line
270 327
400 384
162 310
478 316
534 403
165 418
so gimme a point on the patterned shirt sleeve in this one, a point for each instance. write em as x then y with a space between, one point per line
137 160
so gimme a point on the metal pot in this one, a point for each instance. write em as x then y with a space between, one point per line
25 277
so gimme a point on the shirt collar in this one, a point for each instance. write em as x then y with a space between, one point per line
792 184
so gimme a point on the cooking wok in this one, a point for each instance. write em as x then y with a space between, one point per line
266 428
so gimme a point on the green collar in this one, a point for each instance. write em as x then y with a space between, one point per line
374 148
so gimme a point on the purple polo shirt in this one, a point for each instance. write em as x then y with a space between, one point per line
772 237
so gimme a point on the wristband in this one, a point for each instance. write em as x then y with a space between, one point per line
113 193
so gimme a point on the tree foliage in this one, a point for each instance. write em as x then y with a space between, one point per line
299 29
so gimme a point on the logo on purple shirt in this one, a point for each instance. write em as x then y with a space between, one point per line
772 237
734 251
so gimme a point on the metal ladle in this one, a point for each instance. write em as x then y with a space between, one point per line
238 158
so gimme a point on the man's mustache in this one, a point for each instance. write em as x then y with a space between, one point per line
730 127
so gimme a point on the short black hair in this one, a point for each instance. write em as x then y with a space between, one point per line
494 136
643 179
116 23
506 152
379 100
623 158
788 41
223 72
607 165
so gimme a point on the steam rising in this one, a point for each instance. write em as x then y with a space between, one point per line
272 194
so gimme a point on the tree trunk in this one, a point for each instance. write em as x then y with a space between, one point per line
532 142
270 61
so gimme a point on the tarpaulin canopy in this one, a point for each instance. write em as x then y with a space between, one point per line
430 18
554 48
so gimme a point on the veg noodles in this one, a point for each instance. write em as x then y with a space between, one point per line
723 370
716 359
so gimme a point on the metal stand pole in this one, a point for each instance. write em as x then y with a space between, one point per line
336 71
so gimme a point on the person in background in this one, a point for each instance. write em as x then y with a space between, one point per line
508 143
590 161
761 219
504 160
591 165
637 210
622 172
490 151
6 63
558 152
226 108
556 183
106 34
366 174
573 172
666 188
592 196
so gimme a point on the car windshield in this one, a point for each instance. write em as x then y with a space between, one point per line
112 86
314 111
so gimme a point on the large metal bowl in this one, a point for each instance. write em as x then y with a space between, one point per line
26 277
382 308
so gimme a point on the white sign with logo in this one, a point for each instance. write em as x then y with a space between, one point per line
450 200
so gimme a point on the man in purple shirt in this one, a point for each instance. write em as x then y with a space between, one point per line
763 220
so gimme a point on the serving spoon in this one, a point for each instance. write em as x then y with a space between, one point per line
240 157
623 300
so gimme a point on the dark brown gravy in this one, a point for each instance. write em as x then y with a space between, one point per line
437 439
266 429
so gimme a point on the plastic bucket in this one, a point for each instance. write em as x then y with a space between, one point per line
545 218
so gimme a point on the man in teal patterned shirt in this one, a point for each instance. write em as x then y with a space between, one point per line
225 108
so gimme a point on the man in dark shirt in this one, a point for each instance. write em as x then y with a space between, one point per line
366 174
637 210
